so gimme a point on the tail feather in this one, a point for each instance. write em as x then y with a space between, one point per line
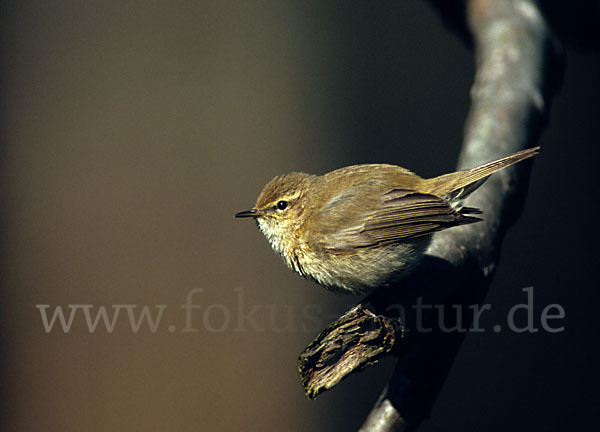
459 184
469 211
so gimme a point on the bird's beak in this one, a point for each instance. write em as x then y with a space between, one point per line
248 213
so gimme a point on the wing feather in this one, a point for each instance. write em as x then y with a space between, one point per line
400 214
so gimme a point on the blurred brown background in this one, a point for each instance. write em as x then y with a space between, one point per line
133 131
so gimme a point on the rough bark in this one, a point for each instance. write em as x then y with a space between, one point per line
518 68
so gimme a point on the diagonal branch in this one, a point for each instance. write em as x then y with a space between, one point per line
518 70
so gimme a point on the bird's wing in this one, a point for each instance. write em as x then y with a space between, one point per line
397 215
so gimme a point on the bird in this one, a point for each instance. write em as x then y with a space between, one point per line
361 227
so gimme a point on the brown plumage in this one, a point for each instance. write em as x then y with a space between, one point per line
364 226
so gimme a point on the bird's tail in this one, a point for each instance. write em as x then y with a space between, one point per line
459 184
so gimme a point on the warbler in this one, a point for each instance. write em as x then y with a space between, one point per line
364 226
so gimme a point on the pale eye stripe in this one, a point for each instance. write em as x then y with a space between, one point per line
287 198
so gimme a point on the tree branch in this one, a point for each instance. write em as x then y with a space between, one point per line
518 70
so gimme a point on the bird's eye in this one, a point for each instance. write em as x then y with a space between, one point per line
282 205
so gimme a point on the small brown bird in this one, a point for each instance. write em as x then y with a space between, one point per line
364 226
